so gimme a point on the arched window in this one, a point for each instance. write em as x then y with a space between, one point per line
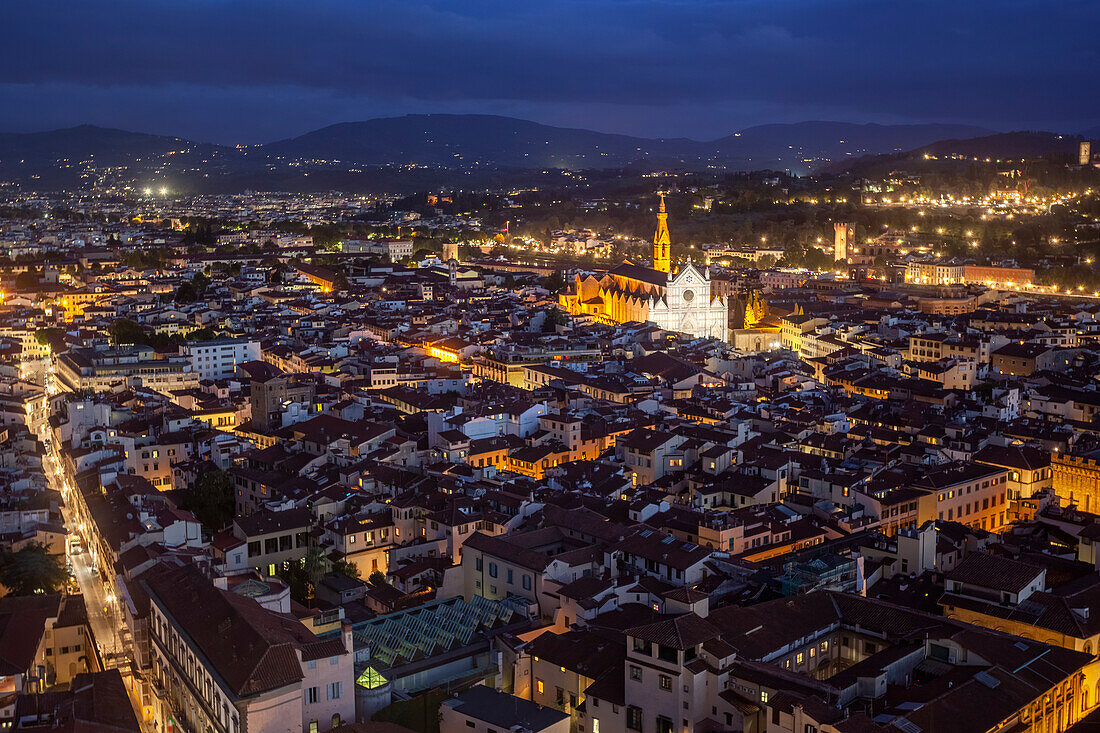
335 720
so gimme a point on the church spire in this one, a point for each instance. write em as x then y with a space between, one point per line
662 245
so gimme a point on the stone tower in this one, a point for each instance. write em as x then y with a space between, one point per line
662 243
841 232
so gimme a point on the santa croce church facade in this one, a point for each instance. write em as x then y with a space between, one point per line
677 300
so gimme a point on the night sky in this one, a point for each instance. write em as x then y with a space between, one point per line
245 71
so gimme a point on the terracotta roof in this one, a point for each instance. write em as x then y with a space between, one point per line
994 571
22 624
250 648
682 632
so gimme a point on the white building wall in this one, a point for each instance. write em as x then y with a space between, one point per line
219 359
687 306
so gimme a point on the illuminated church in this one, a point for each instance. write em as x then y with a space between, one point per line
677 300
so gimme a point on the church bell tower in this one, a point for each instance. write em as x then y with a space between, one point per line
662 244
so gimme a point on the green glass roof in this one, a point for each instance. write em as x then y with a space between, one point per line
371 678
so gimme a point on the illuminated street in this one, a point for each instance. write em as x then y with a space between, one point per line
113 638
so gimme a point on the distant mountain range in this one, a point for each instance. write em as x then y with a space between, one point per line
338 155
465 140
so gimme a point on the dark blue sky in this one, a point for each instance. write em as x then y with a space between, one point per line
255 70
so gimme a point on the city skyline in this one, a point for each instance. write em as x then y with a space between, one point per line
562 366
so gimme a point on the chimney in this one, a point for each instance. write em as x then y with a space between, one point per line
346 635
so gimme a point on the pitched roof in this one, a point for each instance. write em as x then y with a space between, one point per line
682 632
993 571
644 274
22 624
501 710
510 551
250 648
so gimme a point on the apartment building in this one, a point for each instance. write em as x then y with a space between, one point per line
1022 360
99 371
1010 595
803 663
272 538
363 540
219 359
527 565
238 666
974 494
395 249
934 273
651 454
46 641
1029 469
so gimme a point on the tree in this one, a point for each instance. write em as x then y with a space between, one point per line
554 317
555 282
27 280
340 283
313 565
49 336
31 570
303 575
344 567
212 500
377 578
125 331
186 293
205 333
200 282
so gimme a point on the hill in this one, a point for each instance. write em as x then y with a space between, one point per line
807 145
87 154
996 147
476 140
391 154
84 142
1007 145
464 140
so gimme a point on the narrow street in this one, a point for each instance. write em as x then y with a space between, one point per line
113 638
101 611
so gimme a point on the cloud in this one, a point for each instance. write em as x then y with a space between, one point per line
1000 63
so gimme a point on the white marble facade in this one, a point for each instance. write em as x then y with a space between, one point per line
686 305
